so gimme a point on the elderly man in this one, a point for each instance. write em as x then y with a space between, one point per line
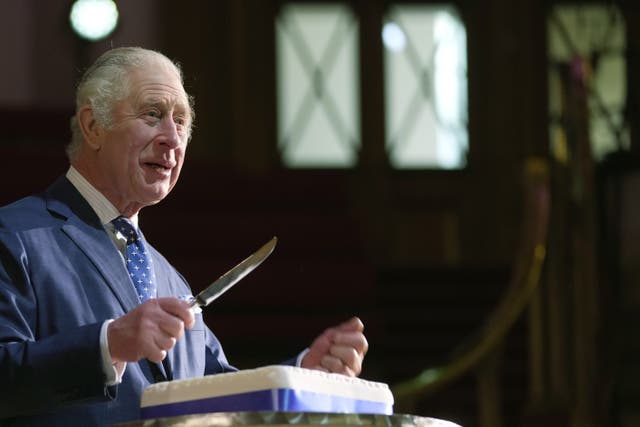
79 340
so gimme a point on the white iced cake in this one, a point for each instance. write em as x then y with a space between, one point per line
272 388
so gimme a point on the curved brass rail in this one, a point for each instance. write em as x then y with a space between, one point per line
523 285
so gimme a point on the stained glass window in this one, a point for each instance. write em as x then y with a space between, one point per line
318 85
592 35
425 87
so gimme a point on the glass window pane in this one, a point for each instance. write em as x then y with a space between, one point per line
318 87
425 87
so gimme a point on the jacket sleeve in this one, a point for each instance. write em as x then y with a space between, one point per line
215 360
39 372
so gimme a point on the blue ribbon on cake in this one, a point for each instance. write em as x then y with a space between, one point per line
282 399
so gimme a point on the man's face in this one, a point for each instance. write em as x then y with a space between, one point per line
140 156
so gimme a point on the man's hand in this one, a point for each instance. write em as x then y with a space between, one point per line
149 330
340 349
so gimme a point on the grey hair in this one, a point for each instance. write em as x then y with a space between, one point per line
106 82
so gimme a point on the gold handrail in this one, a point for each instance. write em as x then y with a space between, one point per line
512 305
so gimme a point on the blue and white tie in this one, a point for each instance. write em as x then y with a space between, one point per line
138 260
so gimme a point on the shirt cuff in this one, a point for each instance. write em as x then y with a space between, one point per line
112 371
301 356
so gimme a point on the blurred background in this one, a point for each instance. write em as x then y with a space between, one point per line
461 175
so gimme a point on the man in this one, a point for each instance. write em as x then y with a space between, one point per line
78 340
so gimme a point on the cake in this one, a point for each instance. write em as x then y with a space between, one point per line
272 388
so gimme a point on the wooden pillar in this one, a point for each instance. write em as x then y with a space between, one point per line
489 390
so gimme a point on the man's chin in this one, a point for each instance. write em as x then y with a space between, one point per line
154 197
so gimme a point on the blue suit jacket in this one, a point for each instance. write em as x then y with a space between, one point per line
61 277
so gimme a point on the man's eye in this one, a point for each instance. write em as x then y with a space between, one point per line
154 113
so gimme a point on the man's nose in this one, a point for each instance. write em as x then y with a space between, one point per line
170 135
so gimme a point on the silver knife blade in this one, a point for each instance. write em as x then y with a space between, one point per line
233 276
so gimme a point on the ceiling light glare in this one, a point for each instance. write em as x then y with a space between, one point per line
94 19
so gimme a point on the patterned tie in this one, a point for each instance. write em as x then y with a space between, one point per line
139 263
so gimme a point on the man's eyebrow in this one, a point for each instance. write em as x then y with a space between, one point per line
178 105
153 101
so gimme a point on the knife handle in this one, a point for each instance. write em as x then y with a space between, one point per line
195 306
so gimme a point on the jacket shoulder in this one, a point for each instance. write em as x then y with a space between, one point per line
24 214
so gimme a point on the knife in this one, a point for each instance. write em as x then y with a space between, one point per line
233 276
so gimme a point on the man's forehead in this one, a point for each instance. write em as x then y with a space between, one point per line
158 86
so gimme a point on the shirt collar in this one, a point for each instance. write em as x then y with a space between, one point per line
98 202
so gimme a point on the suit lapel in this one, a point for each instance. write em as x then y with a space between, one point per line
163 282
84 228
98 247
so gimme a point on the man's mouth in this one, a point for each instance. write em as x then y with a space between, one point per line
163 168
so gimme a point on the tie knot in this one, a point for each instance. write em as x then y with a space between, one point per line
124 226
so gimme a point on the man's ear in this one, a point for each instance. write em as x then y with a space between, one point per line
91 130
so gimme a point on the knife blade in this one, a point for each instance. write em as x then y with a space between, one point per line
233 276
